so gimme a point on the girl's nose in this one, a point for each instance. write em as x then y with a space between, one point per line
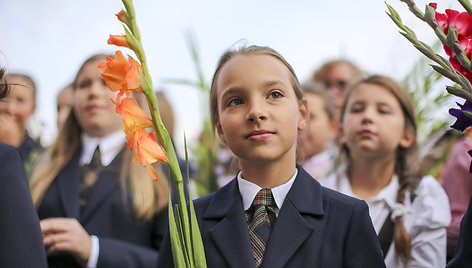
256 113
368 115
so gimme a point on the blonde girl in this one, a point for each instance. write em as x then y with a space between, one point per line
97 208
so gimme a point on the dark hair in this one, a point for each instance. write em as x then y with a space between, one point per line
319 90
4 88
404 168
251 50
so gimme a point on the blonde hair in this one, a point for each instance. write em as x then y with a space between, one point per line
404 168
148 197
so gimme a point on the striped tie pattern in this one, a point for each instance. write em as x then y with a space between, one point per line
259 218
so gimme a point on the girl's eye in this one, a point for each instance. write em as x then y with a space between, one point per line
384 110
235 101
356 109
85 83
275 95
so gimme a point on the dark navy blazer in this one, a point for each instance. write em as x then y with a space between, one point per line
316 227
123 241
21 241
463 254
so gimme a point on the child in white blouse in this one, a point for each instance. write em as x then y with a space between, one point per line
378 135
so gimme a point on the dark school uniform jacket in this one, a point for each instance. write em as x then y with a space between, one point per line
123 241
316 227
463 254
21 241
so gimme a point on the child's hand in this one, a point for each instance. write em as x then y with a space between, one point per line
10 132
66 235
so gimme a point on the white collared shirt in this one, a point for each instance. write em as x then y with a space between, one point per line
109 145
425 219
249 190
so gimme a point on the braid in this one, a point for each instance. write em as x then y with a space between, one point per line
401 238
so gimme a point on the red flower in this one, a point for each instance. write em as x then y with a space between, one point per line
121 74
462 21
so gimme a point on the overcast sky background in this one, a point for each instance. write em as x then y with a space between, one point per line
49 40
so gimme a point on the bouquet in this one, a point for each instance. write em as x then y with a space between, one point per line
454 31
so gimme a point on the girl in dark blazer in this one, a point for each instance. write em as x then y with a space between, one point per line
257 108
21 244
97 211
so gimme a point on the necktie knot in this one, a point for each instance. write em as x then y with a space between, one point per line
264 198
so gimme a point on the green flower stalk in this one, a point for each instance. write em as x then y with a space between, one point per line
187 245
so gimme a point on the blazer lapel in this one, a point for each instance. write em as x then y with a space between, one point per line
230 233
107 181
292 229
68 181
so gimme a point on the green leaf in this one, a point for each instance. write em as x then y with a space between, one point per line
176 245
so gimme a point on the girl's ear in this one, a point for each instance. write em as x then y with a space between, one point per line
408 138
303 111
219 130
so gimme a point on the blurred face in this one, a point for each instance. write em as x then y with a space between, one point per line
259 113
20 103
65 101
336 81
92 103
374 124
320 130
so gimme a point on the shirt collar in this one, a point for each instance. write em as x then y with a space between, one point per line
109 145
249 190
387 194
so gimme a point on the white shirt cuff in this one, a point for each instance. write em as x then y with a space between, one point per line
94 251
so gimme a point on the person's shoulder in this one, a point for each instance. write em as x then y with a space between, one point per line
6 149
431 204
338 198
226 190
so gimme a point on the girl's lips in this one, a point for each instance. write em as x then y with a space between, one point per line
366 134
259 135
93 108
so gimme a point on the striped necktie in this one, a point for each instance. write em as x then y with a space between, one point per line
259 218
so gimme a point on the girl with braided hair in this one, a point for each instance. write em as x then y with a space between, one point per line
378 139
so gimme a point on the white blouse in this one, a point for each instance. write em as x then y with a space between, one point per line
425 219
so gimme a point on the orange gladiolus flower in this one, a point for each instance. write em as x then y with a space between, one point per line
121 74
133 118
148 151
118 40
122 16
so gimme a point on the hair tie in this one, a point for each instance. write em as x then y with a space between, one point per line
398 211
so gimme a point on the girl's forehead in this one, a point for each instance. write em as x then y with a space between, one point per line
253 68
372 93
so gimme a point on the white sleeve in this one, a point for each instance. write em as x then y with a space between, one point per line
427 228
94 252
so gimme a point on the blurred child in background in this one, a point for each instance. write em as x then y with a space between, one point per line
97 208
378 135
318 139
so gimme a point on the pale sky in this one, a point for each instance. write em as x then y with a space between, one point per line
49 40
